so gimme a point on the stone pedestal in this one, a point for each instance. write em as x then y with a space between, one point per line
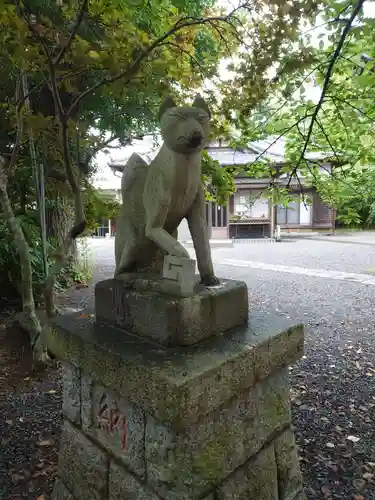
206 421
172 320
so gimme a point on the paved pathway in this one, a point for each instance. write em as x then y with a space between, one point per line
366 238
365 279
349 262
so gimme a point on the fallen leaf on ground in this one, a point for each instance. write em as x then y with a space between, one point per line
45 442
17 477
353 439
325 490
368 475
359 483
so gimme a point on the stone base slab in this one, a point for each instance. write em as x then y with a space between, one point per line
171 320
205 422
178 385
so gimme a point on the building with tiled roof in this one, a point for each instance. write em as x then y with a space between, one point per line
248 213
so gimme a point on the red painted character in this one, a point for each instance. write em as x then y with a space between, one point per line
111 420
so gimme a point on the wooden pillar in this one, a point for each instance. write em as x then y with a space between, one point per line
333 217
272 215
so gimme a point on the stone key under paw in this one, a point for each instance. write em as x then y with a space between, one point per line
156 197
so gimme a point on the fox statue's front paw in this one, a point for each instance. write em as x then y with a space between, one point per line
180 251
210 280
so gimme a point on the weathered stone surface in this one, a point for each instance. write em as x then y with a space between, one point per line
120 427
60 492
180 385
172 320
87 385
256 480
153 282
271 355
192 462
182 272
83 467
123 485
71 382
288 470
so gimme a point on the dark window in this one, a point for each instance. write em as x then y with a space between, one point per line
219 215
225 216
281 215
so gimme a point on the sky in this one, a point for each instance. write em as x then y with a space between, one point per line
105 179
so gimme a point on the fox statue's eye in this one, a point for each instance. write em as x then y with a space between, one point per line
202 118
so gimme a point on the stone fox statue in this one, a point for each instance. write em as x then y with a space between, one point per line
156 197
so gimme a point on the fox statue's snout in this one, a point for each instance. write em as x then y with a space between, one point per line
185 130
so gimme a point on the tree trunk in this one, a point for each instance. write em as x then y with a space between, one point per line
59 220
60 214
59 211
28 304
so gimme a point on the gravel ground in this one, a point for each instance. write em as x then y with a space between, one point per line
30 419
333 392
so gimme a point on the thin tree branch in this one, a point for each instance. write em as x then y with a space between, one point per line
52 72
193 59
334 98
129 72
73 33
105 144
338 111
328 140
19 124
327 78
26 96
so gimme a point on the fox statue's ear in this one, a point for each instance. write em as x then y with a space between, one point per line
199 102
168 103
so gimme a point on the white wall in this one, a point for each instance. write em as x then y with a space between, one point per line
260 208
305 214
